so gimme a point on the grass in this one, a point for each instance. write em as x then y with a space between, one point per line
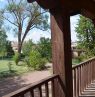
75 61
15 70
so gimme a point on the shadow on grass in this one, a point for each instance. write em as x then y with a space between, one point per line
5 74
10 84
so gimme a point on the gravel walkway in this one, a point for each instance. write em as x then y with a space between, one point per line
11 84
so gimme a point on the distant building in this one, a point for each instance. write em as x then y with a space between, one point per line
14 45
75 51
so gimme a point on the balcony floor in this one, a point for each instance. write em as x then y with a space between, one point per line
89 91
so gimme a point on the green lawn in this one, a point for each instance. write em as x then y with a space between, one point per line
75 61
16 70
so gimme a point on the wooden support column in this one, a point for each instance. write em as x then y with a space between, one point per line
61 51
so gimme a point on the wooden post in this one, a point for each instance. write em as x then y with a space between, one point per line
61 51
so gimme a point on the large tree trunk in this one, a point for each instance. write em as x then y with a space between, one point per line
19 47
19 39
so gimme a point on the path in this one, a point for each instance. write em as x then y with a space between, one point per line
11 84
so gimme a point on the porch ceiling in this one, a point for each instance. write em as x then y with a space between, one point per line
85 7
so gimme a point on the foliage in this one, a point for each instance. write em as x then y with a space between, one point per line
37 54
9 49
3 41
16 58
27 47
75 61
86 35
36 61
44 48
23 17
10 66
27 62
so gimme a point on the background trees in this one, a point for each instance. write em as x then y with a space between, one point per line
23 17
44 47
27 47
9 49
3 41
86 35
3 38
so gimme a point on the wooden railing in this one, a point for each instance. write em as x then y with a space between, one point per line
43 88
83 75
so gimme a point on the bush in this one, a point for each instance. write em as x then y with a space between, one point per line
16 58
36 61
26 61
10 66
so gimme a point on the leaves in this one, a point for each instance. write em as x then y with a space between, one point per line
86 35
44 47
3 41
27 47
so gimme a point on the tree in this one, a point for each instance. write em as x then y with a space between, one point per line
86 35
23 17
3 40
27 47
3 37
44 47
9 49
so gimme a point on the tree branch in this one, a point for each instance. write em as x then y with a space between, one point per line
10 21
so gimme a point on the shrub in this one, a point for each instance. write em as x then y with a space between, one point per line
10 66
26 60
16 58
36 61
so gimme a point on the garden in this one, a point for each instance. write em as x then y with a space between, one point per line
34 57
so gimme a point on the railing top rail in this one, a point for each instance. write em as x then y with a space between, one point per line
31 86
82 63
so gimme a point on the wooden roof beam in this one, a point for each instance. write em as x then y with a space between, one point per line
46 4
84 7
88 8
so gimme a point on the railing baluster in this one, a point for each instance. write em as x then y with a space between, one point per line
94 70
40 91
47 89
73 83
79 70
32 93
81 78
76 82
53 88
90 72
22 95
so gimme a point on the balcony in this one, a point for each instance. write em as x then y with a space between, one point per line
69 82
83 83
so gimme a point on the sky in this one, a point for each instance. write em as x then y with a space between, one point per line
35 34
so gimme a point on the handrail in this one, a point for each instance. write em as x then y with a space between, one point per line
78 65
33 86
